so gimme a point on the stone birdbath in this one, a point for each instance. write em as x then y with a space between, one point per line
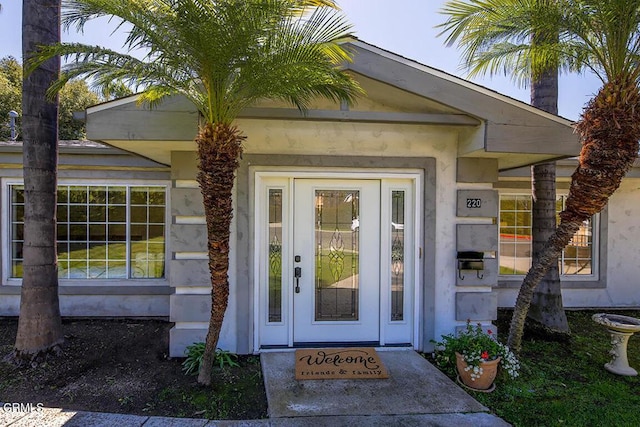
621 328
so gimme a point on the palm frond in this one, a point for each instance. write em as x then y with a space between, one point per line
296 73
513 37
609 31
222 55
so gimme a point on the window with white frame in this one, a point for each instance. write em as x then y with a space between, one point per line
577 258
104 231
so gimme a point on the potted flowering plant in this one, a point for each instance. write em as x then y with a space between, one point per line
475 355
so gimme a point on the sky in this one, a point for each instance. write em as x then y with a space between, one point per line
405 27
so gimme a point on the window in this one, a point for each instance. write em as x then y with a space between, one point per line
104 231
275 255
515 239
397 255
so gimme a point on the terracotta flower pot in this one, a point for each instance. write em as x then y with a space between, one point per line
484 381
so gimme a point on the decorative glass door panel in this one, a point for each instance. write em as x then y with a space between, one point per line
275 255
337 254
397 255
398 252
336 232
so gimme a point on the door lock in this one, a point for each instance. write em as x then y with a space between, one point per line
297 273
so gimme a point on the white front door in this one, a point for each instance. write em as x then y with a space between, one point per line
352 240
336 248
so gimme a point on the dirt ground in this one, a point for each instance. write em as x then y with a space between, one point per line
123 366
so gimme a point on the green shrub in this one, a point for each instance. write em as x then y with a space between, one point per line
195 352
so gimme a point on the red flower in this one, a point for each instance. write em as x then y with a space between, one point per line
489 331
484 355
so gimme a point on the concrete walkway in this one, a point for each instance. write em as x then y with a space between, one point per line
415 394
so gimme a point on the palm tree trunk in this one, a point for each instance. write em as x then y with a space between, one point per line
547 310
39 324
610 130
219 150
549 256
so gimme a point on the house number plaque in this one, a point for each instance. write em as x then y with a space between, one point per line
474 203
477 203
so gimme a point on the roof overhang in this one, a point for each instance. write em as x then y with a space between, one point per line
490 125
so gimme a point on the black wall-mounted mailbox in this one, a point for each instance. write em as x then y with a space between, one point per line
470 261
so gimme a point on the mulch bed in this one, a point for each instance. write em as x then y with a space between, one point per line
123 366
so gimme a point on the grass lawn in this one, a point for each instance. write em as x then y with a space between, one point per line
565 384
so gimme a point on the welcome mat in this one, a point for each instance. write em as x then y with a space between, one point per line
339 363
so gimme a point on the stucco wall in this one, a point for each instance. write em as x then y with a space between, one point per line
190 303
130 306
376 142
351 139
385 141
623 244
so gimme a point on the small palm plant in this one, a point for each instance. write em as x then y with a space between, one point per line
195 353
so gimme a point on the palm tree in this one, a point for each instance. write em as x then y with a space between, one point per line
500 36
602 36
39 324
114 90
222 56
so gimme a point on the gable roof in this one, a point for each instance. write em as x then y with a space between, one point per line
440 74
512 127
490 125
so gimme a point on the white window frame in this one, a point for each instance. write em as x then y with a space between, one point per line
595 245
7 280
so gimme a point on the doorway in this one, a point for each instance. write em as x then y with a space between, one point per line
336 260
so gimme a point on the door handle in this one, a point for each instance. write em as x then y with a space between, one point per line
297 273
